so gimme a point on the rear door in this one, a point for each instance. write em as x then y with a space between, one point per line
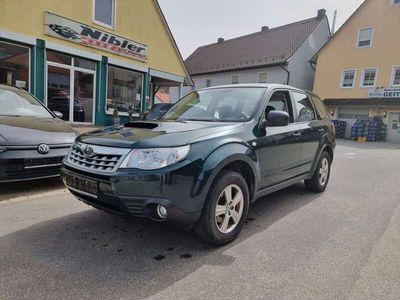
279 150
310 128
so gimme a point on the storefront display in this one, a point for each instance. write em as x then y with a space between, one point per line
14 65
124 90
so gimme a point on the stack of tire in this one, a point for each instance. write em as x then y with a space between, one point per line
340 128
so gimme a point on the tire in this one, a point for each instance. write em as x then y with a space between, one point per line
318 184
223 228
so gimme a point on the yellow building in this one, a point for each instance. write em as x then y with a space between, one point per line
88 58
358 70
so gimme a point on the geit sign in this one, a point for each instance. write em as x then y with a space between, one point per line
79 33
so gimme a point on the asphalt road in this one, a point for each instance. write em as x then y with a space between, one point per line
342 244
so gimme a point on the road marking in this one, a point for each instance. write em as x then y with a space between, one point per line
31 197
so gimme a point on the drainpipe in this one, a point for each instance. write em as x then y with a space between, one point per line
288 74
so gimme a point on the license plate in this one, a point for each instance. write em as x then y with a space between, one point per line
81 184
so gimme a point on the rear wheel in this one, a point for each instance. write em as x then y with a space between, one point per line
225 209
320 179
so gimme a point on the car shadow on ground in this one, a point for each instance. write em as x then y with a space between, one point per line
125 256
12 190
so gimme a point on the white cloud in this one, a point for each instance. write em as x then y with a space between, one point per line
199 22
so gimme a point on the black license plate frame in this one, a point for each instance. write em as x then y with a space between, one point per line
83 185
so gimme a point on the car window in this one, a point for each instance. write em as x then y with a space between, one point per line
217 105
21 104
304 109
320 107
279 101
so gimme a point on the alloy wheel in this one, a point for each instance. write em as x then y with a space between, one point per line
323 171
229 208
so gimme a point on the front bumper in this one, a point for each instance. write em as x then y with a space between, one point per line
22 165
137 193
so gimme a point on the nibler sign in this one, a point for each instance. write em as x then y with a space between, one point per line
384 93
79 33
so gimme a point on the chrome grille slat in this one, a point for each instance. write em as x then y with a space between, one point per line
104 159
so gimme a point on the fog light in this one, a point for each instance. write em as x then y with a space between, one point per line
162 211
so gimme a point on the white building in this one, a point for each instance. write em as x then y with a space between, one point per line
277 55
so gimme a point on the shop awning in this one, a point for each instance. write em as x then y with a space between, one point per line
162 78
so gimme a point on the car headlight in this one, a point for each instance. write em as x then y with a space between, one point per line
152 159
3 149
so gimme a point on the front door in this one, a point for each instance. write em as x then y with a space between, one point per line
71 87
59 90
393 127
279 150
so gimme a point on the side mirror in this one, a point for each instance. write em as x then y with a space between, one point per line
58 114
275 118
278 118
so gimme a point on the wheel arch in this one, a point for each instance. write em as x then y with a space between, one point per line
233 156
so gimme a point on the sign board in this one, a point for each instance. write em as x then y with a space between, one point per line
79 33
384 93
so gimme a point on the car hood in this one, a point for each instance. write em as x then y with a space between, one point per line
27 131
157 134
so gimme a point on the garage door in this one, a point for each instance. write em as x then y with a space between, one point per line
393 129
350 116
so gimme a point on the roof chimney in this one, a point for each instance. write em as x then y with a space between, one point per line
220 40
264 28
321 14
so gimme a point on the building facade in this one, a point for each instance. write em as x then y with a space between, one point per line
358 70
272 55
88 58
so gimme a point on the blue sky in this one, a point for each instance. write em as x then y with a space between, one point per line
198 22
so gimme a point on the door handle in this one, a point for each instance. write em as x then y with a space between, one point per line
296 134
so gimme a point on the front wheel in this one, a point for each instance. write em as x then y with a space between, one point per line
225 209
320 179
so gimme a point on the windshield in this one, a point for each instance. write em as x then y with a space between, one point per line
19 103
217 105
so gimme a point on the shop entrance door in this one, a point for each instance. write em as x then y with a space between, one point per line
393 127
58 90
71 91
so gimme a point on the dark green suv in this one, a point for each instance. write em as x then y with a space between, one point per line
211 155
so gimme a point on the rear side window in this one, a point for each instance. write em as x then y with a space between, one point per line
304 109
320 107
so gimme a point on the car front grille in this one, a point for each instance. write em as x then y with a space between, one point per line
103 159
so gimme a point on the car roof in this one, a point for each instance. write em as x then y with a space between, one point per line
272 86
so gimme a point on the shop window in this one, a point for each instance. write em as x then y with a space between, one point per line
396 2
369 77
365 37
348 78
396 76
59 58
84 64
104 12
235 79
124 90
262 77
14 65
